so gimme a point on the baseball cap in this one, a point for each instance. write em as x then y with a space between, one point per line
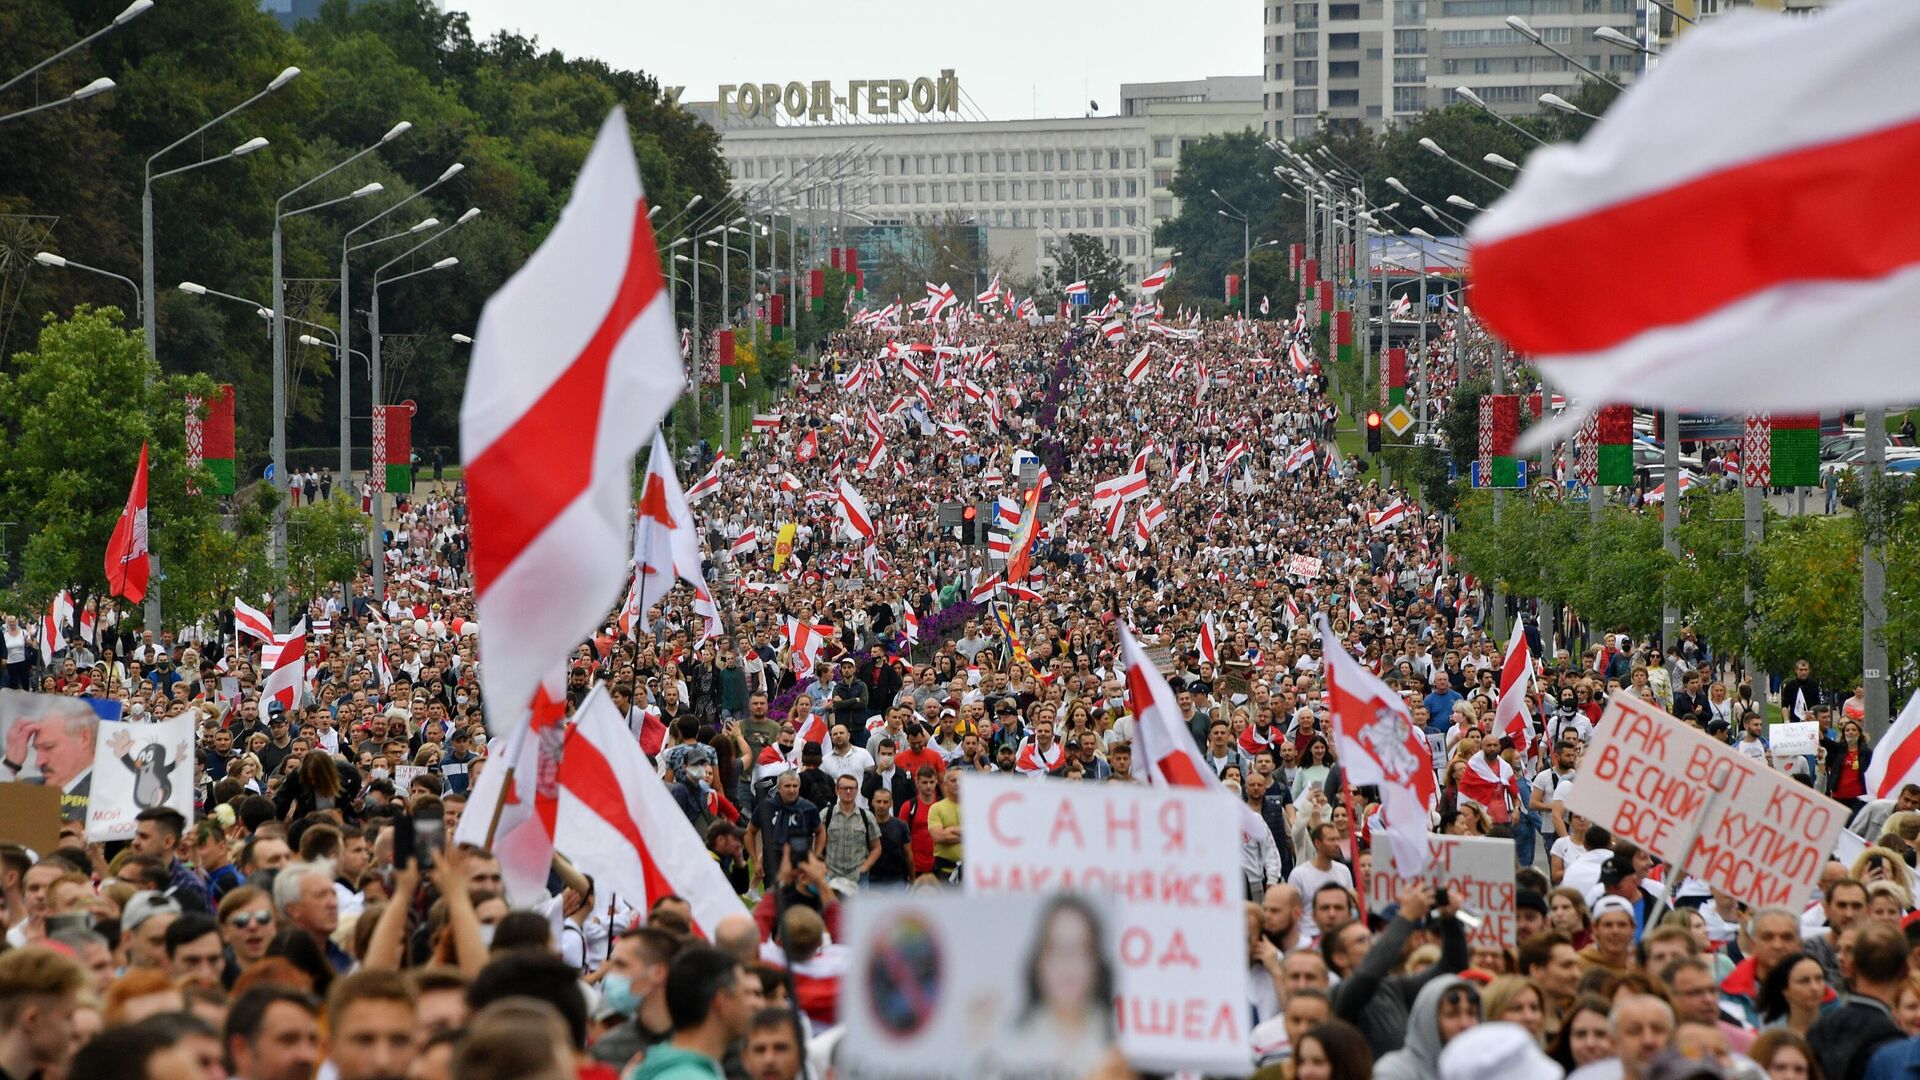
1617 869
1611 903
145 905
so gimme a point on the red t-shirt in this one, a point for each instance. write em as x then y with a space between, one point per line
1851 782
909 761
915 814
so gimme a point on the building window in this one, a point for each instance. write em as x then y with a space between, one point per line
1305 103
1477 39
1133 189
1079 219
1409 99
1113 244
886 193
1133 158
1046 218
1162 177
1306 73
1411 41
1343 69
1306 17
1342 41
1163 145
1046 189
1162 209
999 191
966 190
1411 69
953 191
1343 99
1343 12
1113 159
919 193
999 218
1133 246
1033 161
1410 12
1130 214
1306 45
1080 189
1099 219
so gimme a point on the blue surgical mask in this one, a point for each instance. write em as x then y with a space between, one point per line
616 990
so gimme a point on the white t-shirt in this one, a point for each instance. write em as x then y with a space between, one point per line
1309 879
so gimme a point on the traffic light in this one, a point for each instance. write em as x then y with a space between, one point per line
966 524
1373 432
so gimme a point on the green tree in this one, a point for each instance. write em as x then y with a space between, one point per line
326 543
1239 166
1809 600
1086 258
73 415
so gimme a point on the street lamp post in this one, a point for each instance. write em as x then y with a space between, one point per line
376 387
1246 246
280 214
1520 26
98 86
149 321
347 248
48 258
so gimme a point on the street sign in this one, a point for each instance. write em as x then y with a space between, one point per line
1399 420
1520 469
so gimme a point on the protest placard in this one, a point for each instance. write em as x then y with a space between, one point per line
1795 738
140 767
1304 566
1172 873
403 776
1477 873
1647 778
920 1000
50 737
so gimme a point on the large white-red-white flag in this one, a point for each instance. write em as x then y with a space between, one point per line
620 825
1166 751
1379 746
1896 757
1516 678
1739 167
855 519
53 626
574 364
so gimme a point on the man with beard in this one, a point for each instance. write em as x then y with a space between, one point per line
1280 912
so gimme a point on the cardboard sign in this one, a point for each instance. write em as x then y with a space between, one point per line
1172 872
1646 778
403 776
1794 738
139 767
1304 566
1477 873
51 737
920 1000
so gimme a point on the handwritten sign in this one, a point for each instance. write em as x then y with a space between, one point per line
1172 875
403 776
140 767
1794 738
1303 566
1646 778
1477 873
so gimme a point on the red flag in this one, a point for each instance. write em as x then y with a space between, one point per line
1510 716
128 567
573 366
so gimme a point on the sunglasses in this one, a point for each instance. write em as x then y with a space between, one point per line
250 918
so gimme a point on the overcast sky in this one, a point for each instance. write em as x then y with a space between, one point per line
1010 60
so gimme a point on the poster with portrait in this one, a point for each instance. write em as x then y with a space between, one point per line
1172 875
49 739
920 999
140 767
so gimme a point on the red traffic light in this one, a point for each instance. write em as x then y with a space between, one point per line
1373 419
969 513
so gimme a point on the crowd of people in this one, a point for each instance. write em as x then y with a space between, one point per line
818 742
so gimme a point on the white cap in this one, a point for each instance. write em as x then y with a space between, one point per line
1500 1049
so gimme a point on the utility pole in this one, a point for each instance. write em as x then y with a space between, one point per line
1499 494
1873 580
1670 518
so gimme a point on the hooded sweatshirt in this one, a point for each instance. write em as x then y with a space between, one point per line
668 1062
1419 1058
1377 1001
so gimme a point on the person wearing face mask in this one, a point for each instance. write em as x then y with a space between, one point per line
633 984
691 765
886 774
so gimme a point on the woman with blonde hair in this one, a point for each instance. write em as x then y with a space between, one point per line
1888 902
1516 999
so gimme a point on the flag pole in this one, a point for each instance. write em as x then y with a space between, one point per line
499 805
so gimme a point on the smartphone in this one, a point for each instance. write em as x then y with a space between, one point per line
429 839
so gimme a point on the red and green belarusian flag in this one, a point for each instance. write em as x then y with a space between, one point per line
393 447
1499 427
1343 336
1393 388
210 438
1781 450
1615 445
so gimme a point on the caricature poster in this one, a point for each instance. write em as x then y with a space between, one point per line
138 767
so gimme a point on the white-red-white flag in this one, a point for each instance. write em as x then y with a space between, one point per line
522 780
1388 516
1379 746
1166 751
53 626
1137 370
1896 757
805 640
1516 678
1702 172
283 662
1209 647
666 542
746 543
251 621
912 621
620 825
855 519
1157 280
574 364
